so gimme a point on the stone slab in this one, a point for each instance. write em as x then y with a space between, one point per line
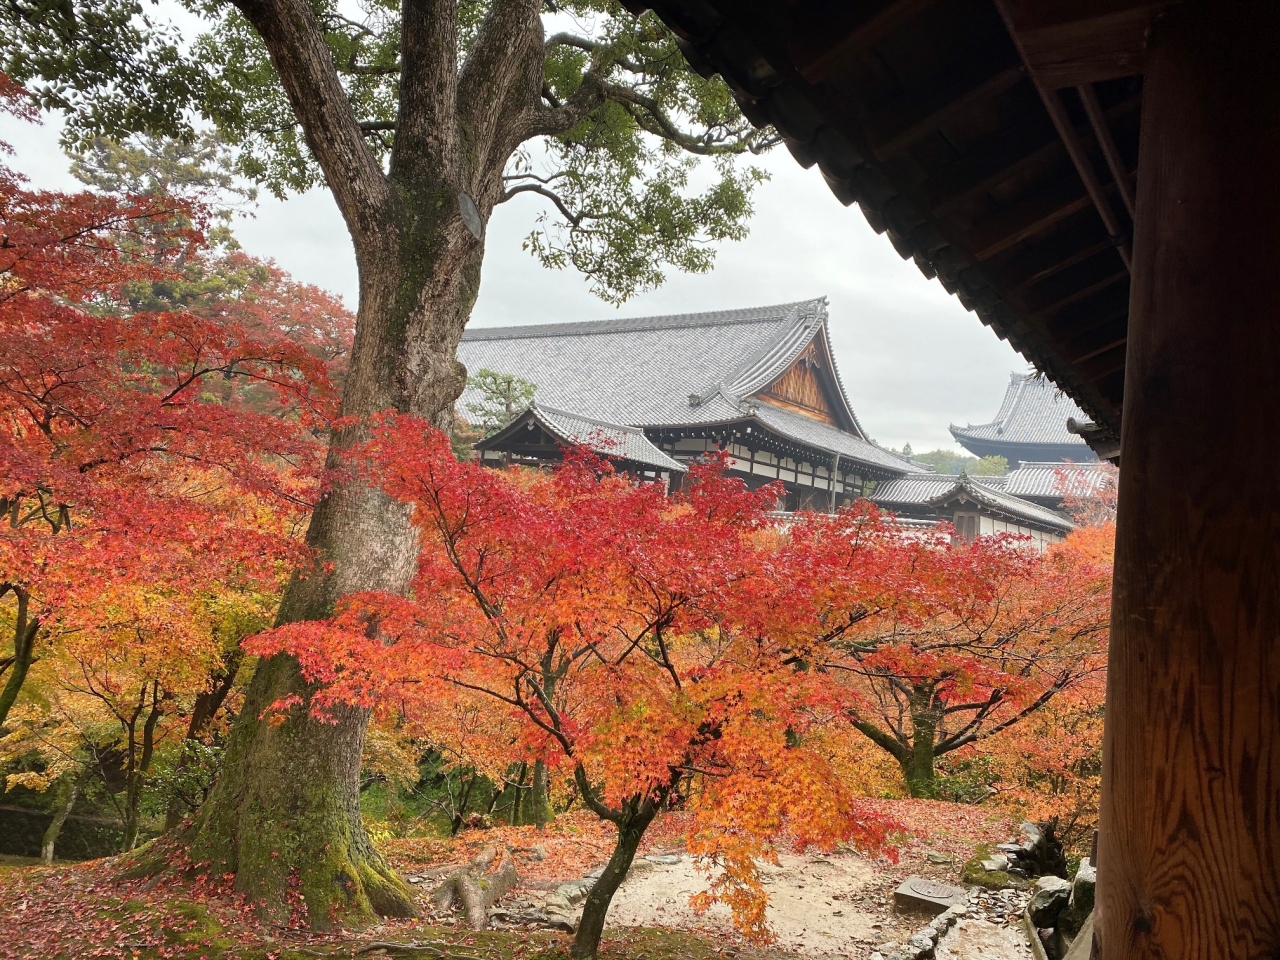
922 895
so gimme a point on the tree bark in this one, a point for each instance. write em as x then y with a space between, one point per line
917 765
55 826
631 827
287 802
288 796
540 797
1189 840
25 631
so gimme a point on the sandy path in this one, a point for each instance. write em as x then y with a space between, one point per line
812 906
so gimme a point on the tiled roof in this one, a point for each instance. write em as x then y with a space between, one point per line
1033 411
688 369
914 489
1003 502
824 436
934 489
1042 479
607 439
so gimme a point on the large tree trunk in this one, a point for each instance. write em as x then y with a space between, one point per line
287 801
918 764
631 828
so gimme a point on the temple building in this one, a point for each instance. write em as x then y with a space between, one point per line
654 393
1031 426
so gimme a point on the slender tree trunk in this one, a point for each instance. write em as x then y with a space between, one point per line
207 704
25 631
540 797
287 800
631 828
55 826
517 797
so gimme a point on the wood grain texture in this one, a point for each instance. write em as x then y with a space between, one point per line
801 387
1189 857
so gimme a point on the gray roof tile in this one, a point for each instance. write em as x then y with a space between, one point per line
1043 480
688 369
1033 411
607 439
1004 502
933 489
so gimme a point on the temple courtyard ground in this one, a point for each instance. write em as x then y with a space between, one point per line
822 903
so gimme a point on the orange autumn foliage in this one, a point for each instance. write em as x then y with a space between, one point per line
640 643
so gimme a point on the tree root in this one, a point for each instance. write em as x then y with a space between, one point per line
476 887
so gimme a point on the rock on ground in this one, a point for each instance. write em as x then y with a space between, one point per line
981 940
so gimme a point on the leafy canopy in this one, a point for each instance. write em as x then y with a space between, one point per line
635 153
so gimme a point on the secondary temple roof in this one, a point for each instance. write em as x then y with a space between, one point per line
1031 425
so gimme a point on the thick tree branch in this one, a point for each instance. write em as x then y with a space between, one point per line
574 218
427 141
298 51
501 81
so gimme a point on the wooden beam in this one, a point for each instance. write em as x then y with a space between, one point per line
1072 243
1063 296
1042 209
917 115
1189 846
831 41
982 170
1107 142
1067 43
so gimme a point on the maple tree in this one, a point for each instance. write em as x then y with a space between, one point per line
158 438
625 633
962 642
421 120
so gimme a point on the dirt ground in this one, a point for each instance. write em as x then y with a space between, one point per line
818 905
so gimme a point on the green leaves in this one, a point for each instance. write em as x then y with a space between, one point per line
636 154
106 64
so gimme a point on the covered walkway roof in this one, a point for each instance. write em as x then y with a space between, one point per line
996 142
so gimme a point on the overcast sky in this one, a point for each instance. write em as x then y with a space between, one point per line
912 359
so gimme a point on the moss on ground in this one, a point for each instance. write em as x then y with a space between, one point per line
974 874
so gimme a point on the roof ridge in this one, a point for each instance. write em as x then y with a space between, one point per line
561 412
707 318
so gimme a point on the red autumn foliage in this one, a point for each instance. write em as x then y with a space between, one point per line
168 448
639 641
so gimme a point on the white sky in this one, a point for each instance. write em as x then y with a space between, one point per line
912 359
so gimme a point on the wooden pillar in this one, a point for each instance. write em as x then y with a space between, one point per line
1189 858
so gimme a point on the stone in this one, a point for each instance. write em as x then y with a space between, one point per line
934 857
996 863
1080 906
575 891
596 874
1083 888
1032 832
919 894
665 859
1049 898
